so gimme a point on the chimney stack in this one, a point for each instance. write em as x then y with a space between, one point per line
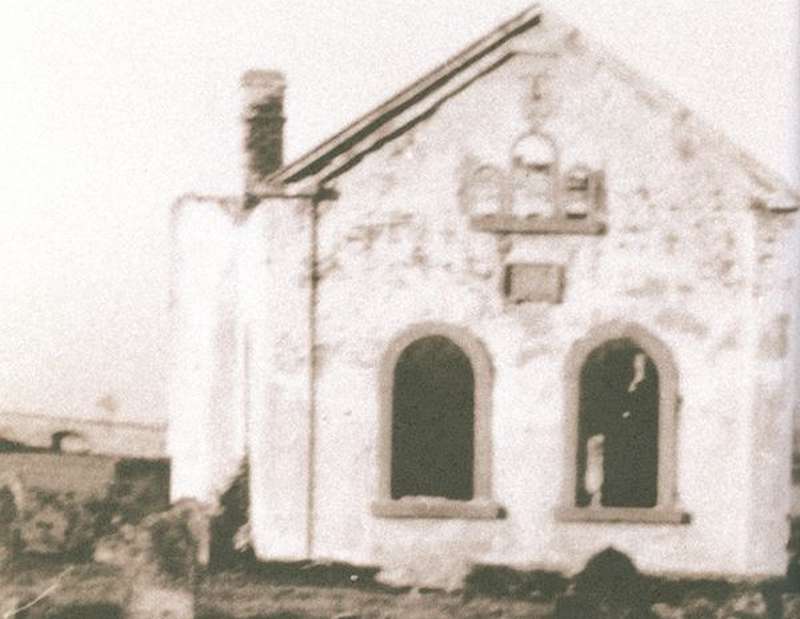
263 120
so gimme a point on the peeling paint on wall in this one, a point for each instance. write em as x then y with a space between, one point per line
528 354
682 322
651 287
730 341
108 403
774 342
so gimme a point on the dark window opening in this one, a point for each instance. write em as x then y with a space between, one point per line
433 420
617 461
578 199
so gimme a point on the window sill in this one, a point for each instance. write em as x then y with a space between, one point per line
549 225
434 507
654 515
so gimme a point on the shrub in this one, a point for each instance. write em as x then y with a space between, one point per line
140 488
58 523
230 544
171 545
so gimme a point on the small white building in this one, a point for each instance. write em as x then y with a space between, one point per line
526 309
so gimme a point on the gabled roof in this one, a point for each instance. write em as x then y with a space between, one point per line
318 158
346 148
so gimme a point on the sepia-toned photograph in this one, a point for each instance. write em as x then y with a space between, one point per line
400 310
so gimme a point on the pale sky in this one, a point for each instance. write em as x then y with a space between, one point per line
111 109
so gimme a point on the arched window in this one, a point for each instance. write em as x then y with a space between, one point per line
535 173
621 397
618 427
435 446
433 421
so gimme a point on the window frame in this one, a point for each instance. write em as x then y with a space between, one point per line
481 506
666 510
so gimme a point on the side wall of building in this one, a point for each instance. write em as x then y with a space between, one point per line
205 399
276 290
775 380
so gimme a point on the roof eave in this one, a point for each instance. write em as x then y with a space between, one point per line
318 158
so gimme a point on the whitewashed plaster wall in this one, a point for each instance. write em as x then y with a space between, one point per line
277 276
206 390
697 252
678 258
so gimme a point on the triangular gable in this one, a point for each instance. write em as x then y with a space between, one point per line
346 148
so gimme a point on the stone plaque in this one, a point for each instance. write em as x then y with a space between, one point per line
533 283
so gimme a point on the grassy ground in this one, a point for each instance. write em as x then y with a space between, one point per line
239 594
266 591
242 595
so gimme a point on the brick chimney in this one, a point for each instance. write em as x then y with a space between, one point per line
263 119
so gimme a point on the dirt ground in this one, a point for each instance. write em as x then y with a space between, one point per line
97 589
56 589
242 597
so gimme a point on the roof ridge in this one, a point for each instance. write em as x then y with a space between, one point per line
406 96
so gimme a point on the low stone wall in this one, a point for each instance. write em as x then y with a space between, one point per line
99 436
84 475
59 504
158 559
